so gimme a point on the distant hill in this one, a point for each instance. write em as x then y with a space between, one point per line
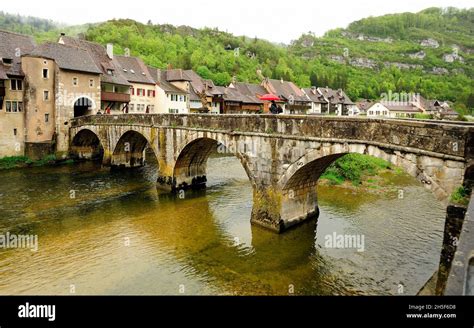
430 52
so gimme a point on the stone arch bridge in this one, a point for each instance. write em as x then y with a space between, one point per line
283 156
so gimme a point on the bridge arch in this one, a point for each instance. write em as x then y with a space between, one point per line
439 175
86 144
129 151
191 161
299 181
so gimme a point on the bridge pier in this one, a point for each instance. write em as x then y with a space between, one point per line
277 209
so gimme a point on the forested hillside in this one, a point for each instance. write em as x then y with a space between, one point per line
430 52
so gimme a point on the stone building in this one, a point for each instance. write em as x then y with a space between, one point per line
142 91
12 86
115 89
61 82
169 98
294 99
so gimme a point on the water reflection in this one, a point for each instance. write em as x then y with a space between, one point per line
104 232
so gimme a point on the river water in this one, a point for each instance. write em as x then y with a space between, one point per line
103 232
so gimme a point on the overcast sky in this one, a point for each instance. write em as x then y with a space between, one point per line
278 21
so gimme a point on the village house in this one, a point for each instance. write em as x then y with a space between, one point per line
338 102
253 92
235 102
409 108
169 98
294 100
142 91
363 105
12 86
201 91
115 89
63 82
318 104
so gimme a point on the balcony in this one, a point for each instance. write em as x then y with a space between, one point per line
115 97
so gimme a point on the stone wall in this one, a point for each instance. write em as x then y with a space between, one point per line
283 156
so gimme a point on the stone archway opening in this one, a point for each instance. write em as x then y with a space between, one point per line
133 150
86 145
190 170
83 106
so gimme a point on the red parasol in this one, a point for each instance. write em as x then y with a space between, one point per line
269 97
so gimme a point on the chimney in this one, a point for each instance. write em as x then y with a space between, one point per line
313 90
110 50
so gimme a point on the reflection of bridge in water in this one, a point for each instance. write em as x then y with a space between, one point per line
283 156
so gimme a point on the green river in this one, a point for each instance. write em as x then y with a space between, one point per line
113 233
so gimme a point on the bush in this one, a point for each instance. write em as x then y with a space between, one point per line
461 196
353 167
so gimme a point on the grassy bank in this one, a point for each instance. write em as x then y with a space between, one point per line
461 196
23 161
354 169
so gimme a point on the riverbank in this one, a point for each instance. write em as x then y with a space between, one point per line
363 173
13 162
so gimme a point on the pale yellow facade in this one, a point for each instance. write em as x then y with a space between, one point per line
12 119
51 98
143 97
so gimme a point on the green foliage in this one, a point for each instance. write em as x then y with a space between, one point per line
307 61
353 167
22 161
461 196
13 161
423 116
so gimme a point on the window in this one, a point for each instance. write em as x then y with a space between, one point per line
173 111
14 106
75 81
16 85
110 72
132 91
46 118
45 73
132 107
91 83
45 95
7 61
15 132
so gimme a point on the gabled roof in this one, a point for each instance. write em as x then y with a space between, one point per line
401 107
285 90
314 95
173 75
234 95
9 44
101 59
159 77
335 96
134 70
67 57
251 91
198 83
